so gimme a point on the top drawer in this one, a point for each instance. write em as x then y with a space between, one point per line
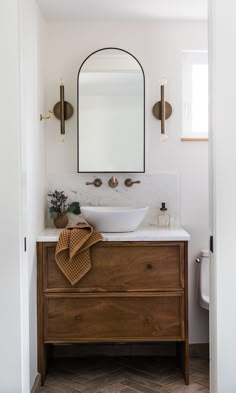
116 266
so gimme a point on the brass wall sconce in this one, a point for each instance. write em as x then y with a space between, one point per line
162 110
62 110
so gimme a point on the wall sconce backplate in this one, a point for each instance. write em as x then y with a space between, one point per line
68 110
156 110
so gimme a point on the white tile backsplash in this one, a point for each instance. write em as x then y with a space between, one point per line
153 189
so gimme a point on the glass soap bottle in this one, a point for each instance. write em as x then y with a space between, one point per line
163 217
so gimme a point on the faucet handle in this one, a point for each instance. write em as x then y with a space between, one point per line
96 183
130 182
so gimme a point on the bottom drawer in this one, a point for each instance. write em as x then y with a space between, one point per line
104 318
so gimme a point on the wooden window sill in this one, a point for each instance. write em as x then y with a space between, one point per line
194 139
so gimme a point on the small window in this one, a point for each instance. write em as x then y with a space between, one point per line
195 95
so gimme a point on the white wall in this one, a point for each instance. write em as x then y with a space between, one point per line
10 230
158 47
33 164
22 192
223 316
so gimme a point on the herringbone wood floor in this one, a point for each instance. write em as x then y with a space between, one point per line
124 375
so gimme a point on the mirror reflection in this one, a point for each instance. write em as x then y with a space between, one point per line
111 113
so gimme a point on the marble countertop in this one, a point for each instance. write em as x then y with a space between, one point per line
150 233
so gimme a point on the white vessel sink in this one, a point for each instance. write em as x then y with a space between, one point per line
114 219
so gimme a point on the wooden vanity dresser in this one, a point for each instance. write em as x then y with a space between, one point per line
136 291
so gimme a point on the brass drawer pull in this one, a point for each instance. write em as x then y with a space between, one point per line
149 266
78 318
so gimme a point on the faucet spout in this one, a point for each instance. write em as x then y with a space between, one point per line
113 182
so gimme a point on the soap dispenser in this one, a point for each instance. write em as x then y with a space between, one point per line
163 217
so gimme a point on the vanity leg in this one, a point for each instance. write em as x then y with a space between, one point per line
43 359
186 361
182 353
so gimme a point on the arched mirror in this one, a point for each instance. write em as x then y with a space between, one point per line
111 90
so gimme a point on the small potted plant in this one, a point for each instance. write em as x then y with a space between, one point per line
59 207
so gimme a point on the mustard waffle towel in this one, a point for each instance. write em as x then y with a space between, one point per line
72 251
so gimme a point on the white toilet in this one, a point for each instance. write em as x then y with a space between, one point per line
204 283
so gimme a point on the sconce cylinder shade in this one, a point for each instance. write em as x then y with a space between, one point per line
163 110
62 109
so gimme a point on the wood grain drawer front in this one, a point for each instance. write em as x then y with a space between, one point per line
84 318
123 266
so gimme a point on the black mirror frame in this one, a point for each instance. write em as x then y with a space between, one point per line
144 100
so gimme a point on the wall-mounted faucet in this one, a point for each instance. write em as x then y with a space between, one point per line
96 183
113 182
130 182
